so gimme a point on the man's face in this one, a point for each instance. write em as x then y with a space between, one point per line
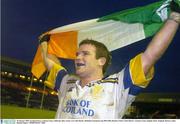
86 62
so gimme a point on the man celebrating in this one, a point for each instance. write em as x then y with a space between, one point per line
90 95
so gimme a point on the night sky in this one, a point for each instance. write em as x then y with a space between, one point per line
22 21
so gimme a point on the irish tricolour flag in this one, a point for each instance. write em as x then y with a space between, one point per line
115 31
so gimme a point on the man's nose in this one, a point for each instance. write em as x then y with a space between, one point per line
78 57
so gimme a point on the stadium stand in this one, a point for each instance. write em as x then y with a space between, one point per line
16 86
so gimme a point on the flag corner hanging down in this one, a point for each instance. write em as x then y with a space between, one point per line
115 31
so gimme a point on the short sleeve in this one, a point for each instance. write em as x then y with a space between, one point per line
56 70
134 77
137 73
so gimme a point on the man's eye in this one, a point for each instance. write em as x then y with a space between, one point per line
77 54
86 53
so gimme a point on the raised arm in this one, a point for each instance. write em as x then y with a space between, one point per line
49 59
160 42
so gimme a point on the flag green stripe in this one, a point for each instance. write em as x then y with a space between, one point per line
145 15
151 29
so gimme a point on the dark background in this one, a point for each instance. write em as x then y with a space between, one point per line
22 21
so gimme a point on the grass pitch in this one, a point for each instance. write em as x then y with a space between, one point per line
14 112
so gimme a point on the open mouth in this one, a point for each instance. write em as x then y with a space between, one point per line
80 64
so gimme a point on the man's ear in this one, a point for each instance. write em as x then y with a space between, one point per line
102 61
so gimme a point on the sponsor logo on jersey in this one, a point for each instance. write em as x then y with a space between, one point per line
80 107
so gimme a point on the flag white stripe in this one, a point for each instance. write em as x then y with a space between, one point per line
114 34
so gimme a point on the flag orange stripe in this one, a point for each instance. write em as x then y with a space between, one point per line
38 67
63 45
